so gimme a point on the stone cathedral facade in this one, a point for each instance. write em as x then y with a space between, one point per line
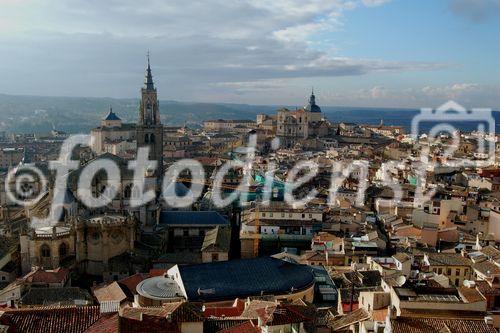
101 241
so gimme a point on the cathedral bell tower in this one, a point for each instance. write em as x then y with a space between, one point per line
149 127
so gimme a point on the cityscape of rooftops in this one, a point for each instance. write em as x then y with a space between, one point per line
256 166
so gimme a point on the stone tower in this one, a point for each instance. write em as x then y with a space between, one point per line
149 127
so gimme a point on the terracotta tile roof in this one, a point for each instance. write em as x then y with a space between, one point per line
407 232
160 311
343 322
180 312
324 236
323 316
108 323
147 324
246 327
188 312
471 295
392 280
401 257
213 325
446 314
491 252
439 325
129 284
166 318
157 272
209 161
448 259
235 310
487 268
364 278
314 256
51 320
250 311
111 292
39 275
283 314
486 289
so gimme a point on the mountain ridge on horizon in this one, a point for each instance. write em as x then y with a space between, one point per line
277 106
40 114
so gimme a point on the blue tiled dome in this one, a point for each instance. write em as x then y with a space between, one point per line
111 115
312 107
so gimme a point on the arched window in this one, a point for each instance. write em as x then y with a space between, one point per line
152 138
146 138
64 214
45 251
149 114
63 250
127 191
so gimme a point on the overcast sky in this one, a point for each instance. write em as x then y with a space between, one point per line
400 53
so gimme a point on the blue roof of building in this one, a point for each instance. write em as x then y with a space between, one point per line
112 116
313 108
226 280
207 218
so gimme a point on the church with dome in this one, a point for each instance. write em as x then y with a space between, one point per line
300 124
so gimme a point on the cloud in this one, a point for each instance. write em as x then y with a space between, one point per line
302 32
476 10
468 94
454 91
378 92
374 3
254 87
199 48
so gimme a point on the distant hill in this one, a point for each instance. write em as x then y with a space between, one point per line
38 114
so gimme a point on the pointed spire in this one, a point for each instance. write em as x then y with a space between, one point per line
311 106
148 81
111 115
312 99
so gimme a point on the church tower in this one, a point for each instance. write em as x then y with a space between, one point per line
313 110
149 127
